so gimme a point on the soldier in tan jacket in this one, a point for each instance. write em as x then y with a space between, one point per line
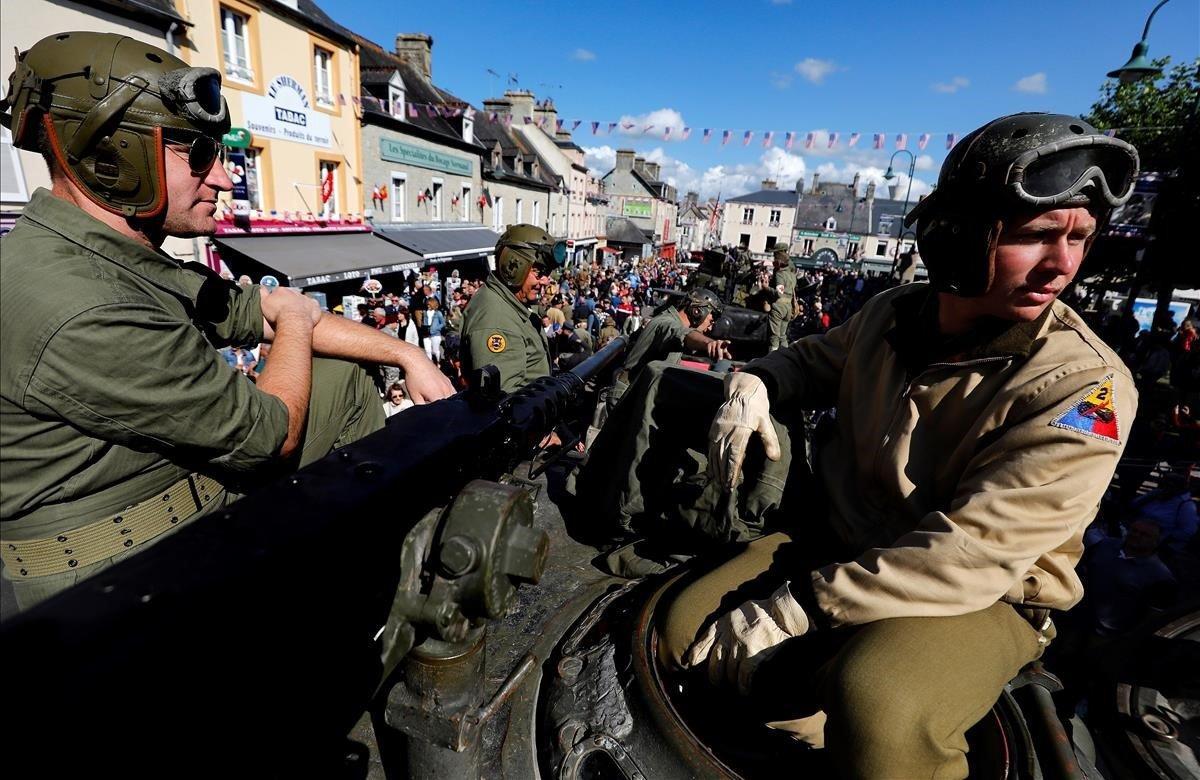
979 422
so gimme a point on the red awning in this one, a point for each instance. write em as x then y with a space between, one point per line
610 250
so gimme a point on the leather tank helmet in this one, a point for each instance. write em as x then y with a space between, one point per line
106 103
523 247
1015 164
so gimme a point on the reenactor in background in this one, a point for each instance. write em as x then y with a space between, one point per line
122 421
783 281
668 334
608 329
499 329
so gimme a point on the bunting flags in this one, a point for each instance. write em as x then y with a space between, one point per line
901 141
747 137
923 141
808 142
558 123
627 125
595 127
647 129
611 125
833 139
951 140
341 99
787 140
412 111
768 139
879 140
853 139
707 135
667 134
528 120
687 131
725 135
576 124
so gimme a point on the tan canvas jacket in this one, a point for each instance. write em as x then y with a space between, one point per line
959 483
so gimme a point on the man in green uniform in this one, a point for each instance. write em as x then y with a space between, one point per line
499 329
122 422
783 282
668 334
979 422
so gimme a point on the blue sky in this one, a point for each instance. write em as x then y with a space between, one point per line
866 67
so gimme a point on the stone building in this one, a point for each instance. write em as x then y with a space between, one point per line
759 220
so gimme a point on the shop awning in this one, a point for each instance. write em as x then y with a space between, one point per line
438 242
307 260
610 250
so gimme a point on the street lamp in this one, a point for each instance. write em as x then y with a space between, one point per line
912 167
1139 66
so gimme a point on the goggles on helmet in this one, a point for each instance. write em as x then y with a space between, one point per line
549 255
203 150
1054 174
194 93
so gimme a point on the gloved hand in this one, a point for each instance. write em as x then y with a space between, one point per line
746 410
740 640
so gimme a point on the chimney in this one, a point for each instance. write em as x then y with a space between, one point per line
854 186
625 159
499 106
562 135
692 197
522 104
548 114
893 189
639 165
652 170
417 50
871 190
769 184
816 181
800 185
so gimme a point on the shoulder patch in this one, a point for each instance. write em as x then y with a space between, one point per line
496 343
1093 413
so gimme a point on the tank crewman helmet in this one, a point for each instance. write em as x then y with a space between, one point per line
107 103
523 247
1020 162
701 302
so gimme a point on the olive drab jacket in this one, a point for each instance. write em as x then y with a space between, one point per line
111 388
959 482
497 331
783 280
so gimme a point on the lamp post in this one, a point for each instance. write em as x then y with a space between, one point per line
912 167
1139 65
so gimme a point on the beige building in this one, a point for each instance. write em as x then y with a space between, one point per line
636 193
759 220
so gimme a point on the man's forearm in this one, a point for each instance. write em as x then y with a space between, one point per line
338 337
288 375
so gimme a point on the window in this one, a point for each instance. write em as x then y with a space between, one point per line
537 213
468 129
852 250
235 36
808 246
776 217
770 244
831 223
323 76
881 248
744 241
328 184
498 214
466 203
254 183
436 207
12 178
747 215
396 102
520 211
399 196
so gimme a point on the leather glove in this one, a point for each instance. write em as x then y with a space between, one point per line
742 639
746 410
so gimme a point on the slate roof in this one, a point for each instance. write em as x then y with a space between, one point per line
433 240
623 231
838 202
767 198
488 133
157 13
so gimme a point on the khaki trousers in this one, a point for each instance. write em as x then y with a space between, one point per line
898 694
342 407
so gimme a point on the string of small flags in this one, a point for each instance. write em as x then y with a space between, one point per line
791 139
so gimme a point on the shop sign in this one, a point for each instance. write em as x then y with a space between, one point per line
237 138
286 114
395 151
637 208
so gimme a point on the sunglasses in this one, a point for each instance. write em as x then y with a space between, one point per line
202 152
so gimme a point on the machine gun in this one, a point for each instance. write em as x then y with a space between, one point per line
251 641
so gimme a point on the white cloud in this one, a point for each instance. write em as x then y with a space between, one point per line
583 55
924 162
599 159
815 70
952 86
1034 84
781 80
658 121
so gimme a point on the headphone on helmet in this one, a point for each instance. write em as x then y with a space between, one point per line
700 303
1027 161
523 247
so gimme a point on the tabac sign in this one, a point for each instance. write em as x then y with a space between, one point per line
395 151
285 113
